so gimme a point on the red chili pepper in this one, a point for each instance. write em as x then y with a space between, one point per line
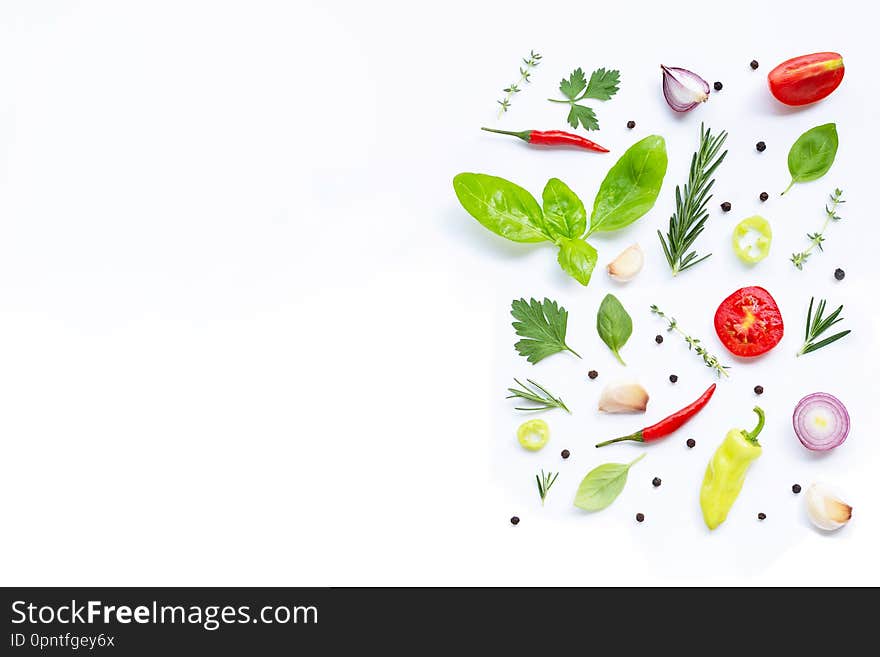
553 138
667 425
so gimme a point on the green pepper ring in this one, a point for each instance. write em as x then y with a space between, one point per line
533 434
762 244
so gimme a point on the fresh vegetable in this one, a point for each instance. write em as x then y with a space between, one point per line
624 397
667 425
545 481
726 472
537 394
821 422
631 186
533 434
602 485
816 239
614 325
552 138
825 508
812 154
525 72
817 325
806 79
748 322
693 343
542 326
683 89
603 85
628 264
689 218
751 239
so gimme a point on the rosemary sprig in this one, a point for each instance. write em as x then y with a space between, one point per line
816 239
690 216
542 397
693 343
545 481
817 325
525 73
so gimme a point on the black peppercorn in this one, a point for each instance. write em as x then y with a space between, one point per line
762 516
796 489
592 374
839 274
514 520
764 196
761 146
726 206
718 86
656 482
565 454
759 390
640 517
691 443
630 124
673 378
754 64
658 339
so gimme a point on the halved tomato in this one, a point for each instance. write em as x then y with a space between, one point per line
748 322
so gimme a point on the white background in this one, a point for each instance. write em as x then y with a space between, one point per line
248 336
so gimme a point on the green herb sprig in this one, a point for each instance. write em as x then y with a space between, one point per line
690 216
525 72
693 343
542 397
545 481
816 239
603 84
542 325
817 325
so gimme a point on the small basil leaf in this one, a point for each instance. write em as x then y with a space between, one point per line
602 485
564 212
812 154
577 258
631 186
613 324
501 206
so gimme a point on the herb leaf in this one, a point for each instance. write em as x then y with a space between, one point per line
564 212
583 115
543 326
543 397
817 325
693 343
504 208
816 239
545 481
602 485
577 259
613 324
603 84
812 154
575 84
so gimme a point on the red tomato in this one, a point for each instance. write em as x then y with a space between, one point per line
807 78
748 322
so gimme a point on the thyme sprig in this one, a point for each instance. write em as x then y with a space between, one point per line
525 72
542 397
693 343
817 325
545 481
816 239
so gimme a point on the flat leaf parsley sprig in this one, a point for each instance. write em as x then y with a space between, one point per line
816 239
525 72
693 343
542 327
603 85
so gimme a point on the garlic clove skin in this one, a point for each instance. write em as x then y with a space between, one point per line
623 397
628 264
825 509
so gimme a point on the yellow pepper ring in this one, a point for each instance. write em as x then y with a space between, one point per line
748 248
533 434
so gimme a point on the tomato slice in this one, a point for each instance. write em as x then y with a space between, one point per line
748 322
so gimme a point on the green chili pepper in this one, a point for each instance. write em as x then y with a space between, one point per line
751 239
727 472
533 434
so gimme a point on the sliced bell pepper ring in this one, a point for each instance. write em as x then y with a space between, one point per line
751 239
533 434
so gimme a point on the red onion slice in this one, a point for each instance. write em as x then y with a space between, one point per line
683 89
820 422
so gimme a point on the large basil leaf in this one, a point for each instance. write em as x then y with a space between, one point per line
502 207
564 212
602 485
812 154
631 186
577 259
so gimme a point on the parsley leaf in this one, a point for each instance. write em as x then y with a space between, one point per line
543 326
575 84
583 115
603 84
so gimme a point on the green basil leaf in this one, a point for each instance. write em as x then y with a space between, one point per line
502 207
564 212
631 186
613 324
602 485
577 259
812 154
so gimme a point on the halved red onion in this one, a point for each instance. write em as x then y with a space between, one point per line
820 421
683 89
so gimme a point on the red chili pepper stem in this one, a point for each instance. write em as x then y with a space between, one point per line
525 135
638 436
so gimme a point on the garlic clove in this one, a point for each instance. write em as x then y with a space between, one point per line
623 397
629 263
825 509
